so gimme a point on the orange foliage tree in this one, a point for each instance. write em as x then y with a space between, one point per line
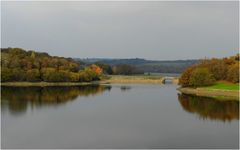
96 69
221 69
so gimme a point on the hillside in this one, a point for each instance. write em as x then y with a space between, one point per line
165 66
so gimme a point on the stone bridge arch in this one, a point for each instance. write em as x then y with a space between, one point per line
173 80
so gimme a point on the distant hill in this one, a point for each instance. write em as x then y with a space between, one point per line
110 61
162 66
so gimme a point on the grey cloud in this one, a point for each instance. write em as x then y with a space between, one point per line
152 30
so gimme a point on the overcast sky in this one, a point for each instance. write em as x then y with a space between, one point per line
152 30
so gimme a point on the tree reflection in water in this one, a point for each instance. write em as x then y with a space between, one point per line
17 99
210 108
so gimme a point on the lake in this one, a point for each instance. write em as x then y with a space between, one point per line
115 116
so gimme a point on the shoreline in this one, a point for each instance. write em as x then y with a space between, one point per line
112 79
214 93
43 84
138 79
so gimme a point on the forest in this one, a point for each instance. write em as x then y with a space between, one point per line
21 65
210 71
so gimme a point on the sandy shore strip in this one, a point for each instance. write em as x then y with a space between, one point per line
223 94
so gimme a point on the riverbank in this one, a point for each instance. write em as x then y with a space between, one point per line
42 84
141 79
211 92
111 79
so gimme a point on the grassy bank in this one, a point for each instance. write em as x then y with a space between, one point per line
223 86
219 90
47 83
143 79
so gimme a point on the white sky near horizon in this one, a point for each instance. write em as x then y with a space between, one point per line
151 30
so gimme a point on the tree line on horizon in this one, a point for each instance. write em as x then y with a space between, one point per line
20 65
119 69
209 71
144 65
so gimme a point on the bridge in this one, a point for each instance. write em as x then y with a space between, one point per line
168 79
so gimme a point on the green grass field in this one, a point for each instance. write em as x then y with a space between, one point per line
224 86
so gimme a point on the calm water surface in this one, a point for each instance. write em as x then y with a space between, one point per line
117 116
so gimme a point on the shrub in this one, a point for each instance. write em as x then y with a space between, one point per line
201 77
233 73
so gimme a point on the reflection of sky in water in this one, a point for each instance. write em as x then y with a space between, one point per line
146 116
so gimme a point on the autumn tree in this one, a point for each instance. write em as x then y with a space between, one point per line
201 77
107 69
184 80
20 65
33 75
233 73
217 67
96 69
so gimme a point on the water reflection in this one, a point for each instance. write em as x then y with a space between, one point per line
125 88
17 99
209 108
